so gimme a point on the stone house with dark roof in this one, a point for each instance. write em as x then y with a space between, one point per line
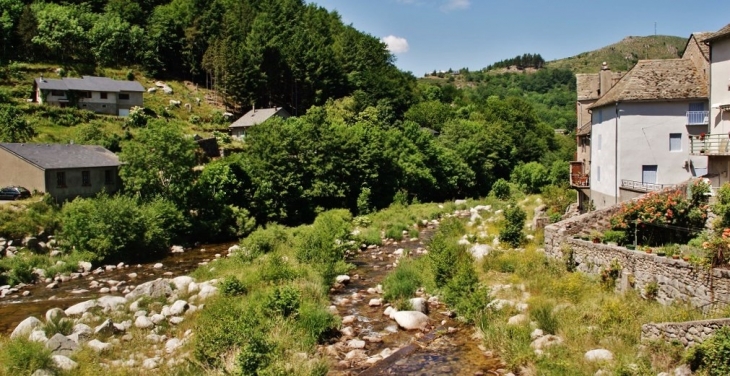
65 171
641 128
98 94
254 117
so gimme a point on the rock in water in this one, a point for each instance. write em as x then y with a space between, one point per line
419 304
153 289
410 320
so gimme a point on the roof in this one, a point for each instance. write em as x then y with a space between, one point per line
89 83
699 37
584 129
259 116
720 34
57 156
649 80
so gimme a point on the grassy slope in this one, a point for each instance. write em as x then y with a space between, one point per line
19 85
623 55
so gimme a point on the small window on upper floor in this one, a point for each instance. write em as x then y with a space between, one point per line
675 142
61 179
86 178
108 177
103 95
123 96
85 94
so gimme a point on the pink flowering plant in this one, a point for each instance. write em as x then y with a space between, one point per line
665 217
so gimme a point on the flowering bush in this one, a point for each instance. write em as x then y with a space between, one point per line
667 217
716 246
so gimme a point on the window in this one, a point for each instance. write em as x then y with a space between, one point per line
697 106
86 178
61 179
108 177
57 93
85 94
600 142
123 96
598 174
648 174
675 142
103 95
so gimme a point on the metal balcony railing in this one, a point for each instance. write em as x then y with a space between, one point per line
698 117
711 144
643 187
580 180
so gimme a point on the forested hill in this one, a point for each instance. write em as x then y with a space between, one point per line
623 55
263 52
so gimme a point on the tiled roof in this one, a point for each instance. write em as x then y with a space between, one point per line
720 34
259 116
55 156
657 80
89 83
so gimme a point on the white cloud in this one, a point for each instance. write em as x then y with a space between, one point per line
396 45
456 5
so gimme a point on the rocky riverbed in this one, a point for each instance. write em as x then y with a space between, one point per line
374 341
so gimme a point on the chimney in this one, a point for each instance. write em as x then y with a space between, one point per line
42 78
604 79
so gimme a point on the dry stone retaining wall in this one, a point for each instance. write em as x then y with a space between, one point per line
687 333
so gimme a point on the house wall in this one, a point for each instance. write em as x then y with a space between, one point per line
135 99
99 105
238 132
719 81
643 139
603 165
694 53
74 187
15 171
718 170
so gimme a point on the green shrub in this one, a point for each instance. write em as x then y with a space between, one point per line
501 189
364 205
615 236
401 198
232 286
40 216
530 177
23 357
263 240
221 326
370 236
403 282
284 301
713 355
395 231
58 325
323 244
511 233
254 355
274 268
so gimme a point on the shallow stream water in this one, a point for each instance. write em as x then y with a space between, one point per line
15 308
438 352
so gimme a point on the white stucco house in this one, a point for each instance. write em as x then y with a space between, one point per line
716 143
254 117
640 130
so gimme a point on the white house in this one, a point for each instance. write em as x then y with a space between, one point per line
640 130
716 144
239 127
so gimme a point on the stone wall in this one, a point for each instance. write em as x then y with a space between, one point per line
676 280
688 333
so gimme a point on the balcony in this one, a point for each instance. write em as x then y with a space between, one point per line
578 179
711 144
698 117
643 187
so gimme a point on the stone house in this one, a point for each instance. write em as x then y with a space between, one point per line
641 128
716 143
589 87
65 171
98 94
239 127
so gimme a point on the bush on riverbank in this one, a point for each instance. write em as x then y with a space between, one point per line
29 218
118 227
23 357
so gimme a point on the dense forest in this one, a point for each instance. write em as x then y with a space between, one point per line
264 52
366 134
521 62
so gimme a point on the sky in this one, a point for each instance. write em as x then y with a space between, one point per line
428 35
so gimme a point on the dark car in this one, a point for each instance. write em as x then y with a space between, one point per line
14 193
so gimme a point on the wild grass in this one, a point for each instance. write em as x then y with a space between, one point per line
402 283
23 357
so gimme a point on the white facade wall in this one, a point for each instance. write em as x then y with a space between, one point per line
720 86
603 157
643 139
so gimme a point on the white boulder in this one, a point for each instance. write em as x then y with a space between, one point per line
598 355
25 327
410 320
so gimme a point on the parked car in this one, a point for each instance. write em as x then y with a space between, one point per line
14 193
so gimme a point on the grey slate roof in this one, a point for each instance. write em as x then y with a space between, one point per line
259 116
720 34
57 156
89 83
649 80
